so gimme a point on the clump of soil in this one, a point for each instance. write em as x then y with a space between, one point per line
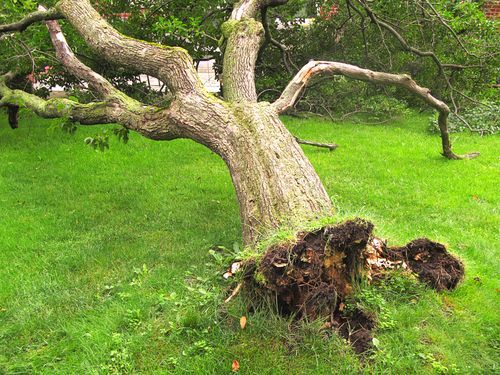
314 276
431 262
356 328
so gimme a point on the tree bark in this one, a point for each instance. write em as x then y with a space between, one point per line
276 185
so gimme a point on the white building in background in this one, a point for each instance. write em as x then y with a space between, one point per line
207 75
205 71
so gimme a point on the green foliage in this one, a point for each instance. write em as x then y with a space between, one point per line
340 35
396 287
436 365
191 28
483 119
119 361
343 36
68 126
65 125
17 6
98 142
384 106
139 275
122 133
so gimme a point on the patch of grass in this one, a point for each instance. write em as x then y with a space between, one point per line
106 265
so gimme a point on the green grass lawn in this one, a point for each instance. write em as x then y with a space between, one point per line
105 263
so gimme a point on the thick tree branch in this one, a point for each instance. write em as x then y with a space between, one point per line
316 68
171 65
81 71
243 34
30 19
151 122
87 114
74 66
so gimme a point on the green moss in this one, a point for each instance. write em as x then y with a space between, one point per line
228 27
260 278
248 26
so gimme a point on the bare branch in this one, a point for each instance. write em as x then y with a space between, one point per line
287 60
81 71
330 146
450 29
406 46
316 68
73 65
30 19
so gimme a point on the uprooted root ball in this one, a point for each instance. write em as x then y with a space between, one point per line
313 276
431 262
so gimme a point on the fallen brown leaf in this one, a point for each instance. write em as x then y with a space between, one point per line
243 322
236 366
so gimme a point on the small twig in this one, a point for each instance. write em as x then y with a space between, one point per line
330 146
234 293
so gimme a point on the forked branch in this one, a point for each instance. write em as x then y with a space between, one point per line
171 65
81 71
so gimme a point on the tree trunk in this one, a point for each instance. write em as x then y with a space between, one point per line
276 185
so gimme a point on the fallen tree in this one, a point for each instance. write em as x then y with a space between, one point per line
276 185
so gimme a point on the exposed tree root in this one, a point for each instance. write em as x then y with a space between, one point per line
315 275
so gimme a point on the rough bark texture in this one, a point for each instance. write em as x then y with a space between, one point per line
275 183
243 42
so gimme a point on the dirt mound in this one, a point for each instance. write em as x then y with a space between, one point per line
356 328
314 276
316 273
431 262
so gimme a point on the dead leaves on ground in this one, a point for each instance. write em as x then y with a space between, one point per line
236 366
243 322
